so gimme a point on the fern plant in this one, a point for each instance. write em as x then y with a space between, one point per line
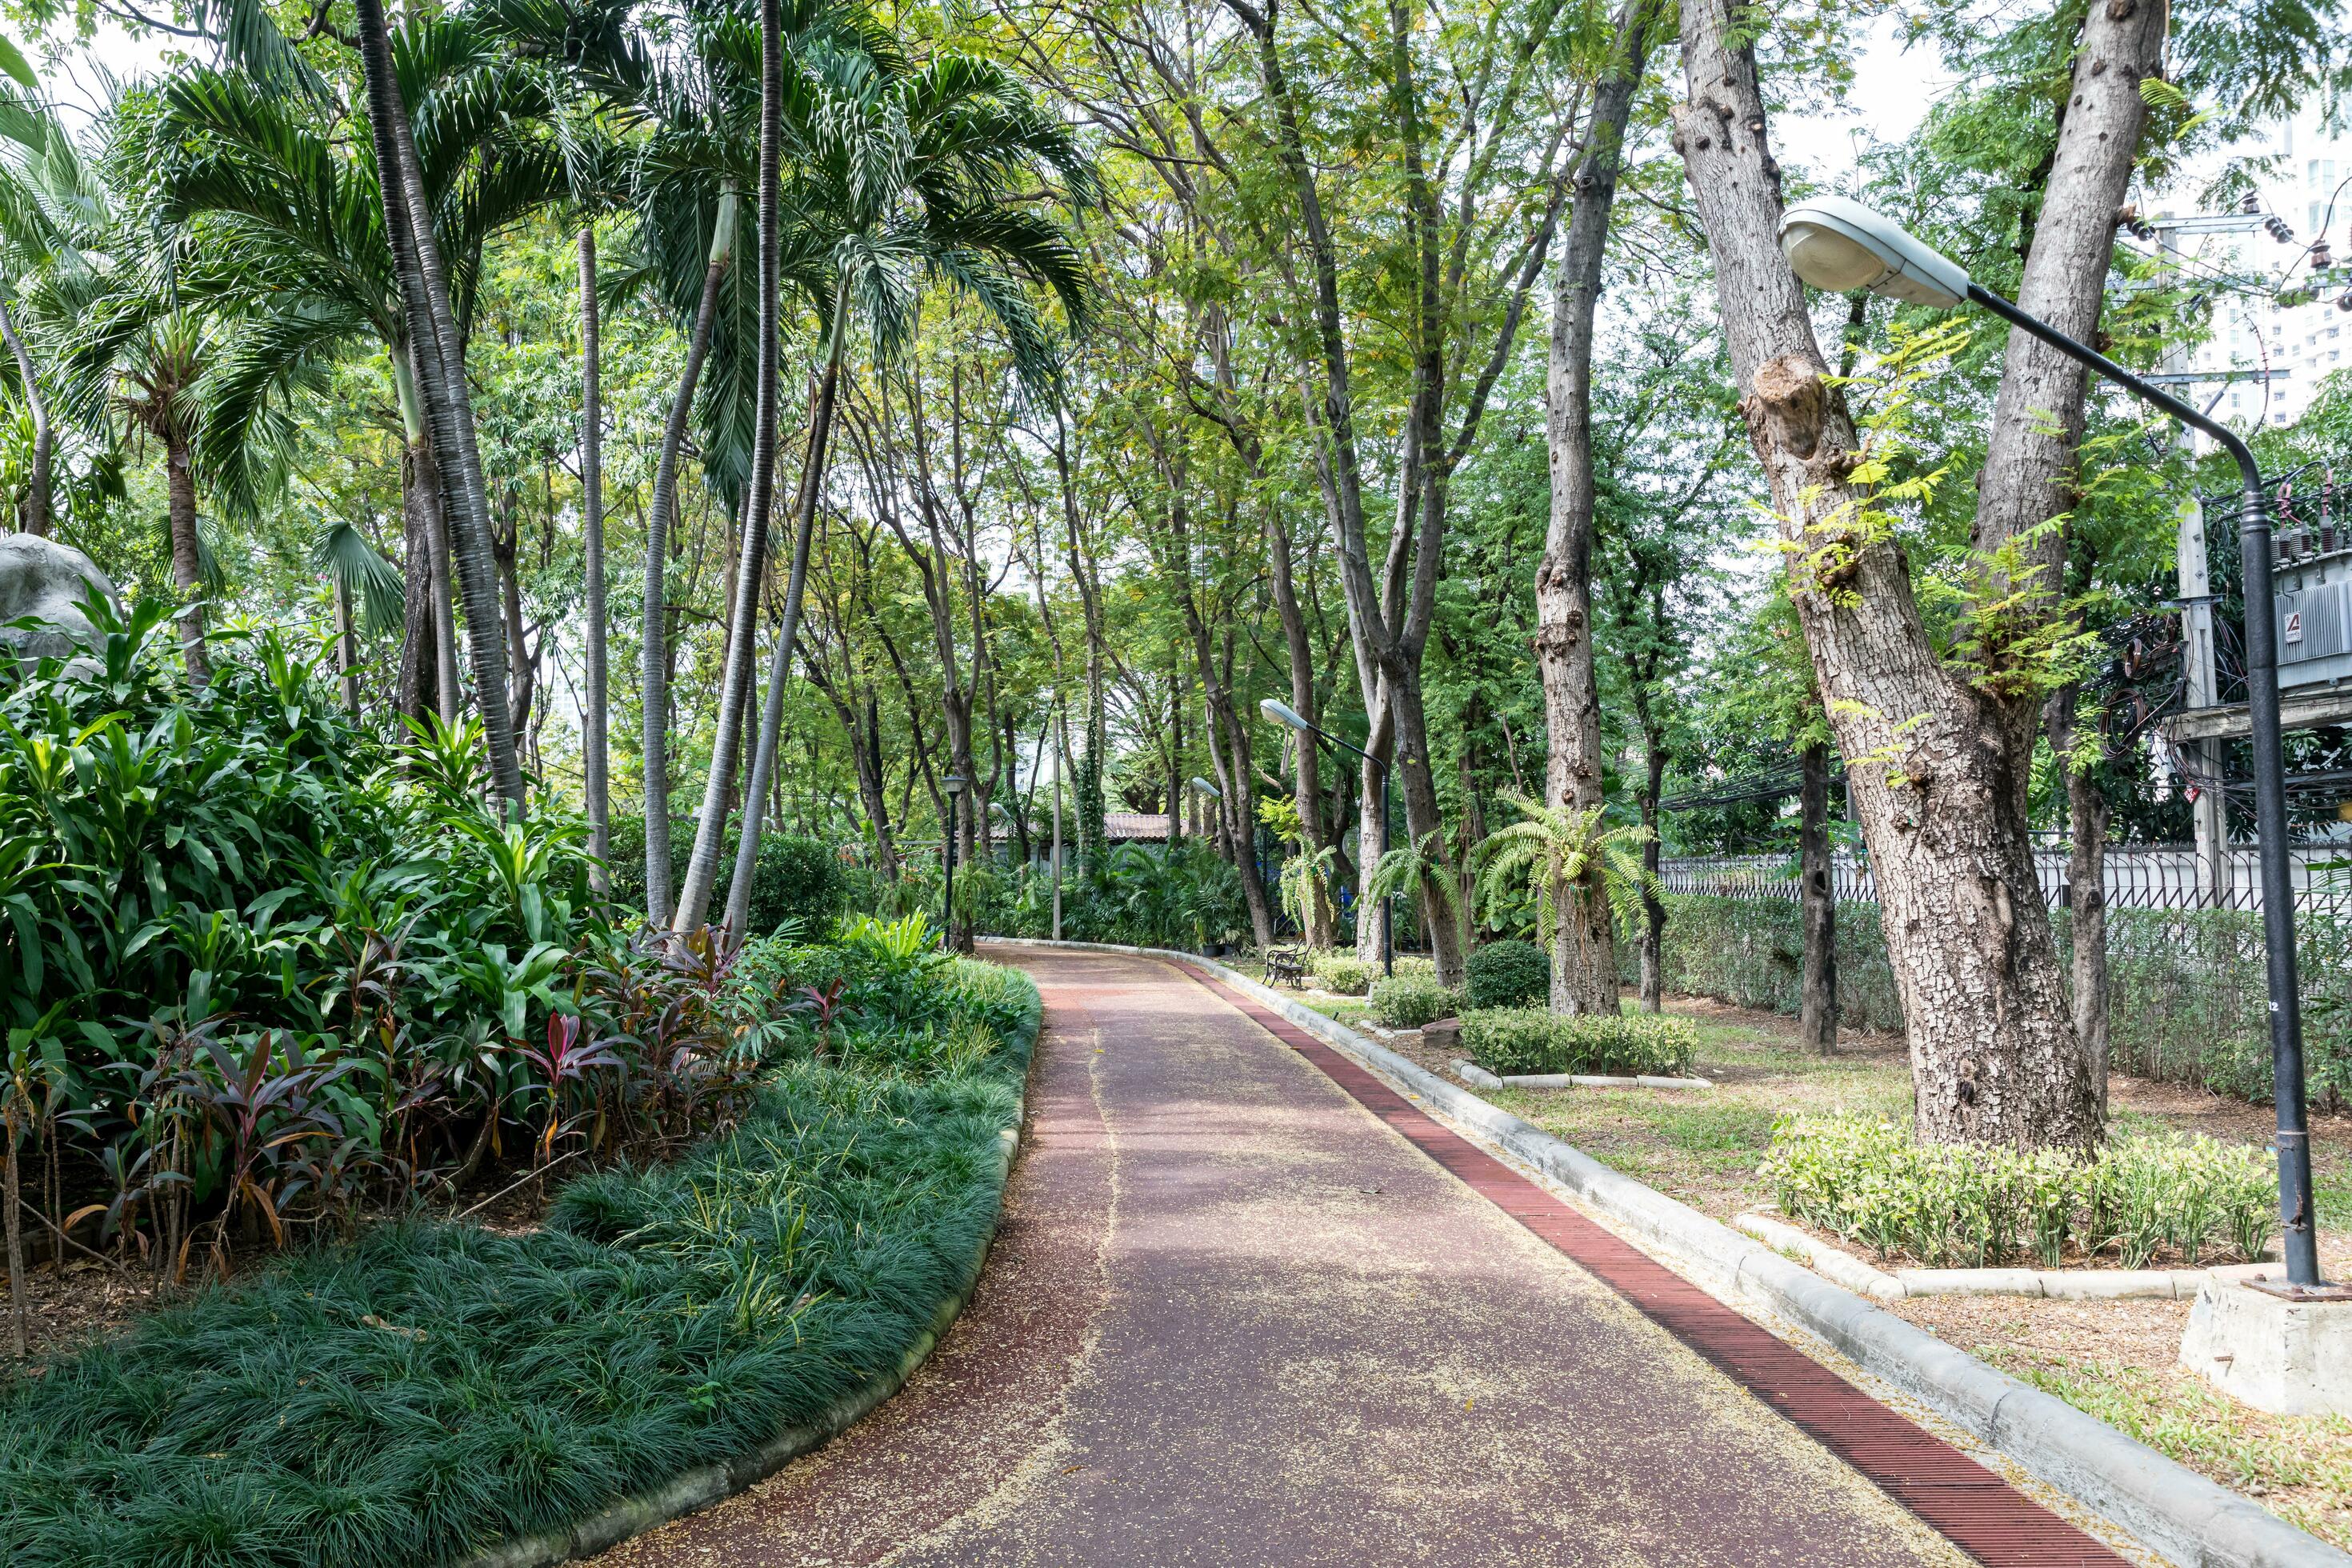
1420 868
1552 845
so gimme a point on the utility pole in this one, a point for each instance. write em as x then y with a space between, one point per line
2203 758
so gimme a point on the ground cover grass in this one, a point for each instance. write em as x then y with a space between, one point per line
434 1386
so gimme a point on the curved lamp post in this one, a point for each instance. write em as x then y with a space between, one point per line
954 782
1839 245
1284 713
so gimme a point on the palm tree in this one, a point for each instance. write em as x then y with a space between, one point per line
1549 850
367 594
910 179
46 194
285 220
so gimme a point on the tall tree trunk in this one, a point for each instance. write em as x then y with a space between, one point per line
1584 941
659 512
772 716
592 532
2087 891
1817 1019
1654 912
1993 1050
439 356
1306 761
187 572
735 689
416 691
40 502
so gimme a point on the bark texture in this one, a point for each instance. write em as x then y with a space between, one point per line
39 504
591 529
1938 777
187 573
1584 936
1817 1015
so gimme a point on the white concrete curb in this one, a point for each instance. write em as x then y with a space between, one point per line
2055 1284
2173 1511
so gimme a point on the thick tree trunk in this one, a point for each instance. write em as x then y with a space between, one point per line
187 570
39 501
1994 1057
1817 1019
439 357
735 687
1306 760
592 532
1584 938
659 512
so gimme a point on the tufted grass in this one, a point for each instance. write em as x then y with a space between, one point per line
418 1395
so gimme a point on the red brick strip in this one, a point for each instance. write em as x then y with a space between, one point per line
1970 1505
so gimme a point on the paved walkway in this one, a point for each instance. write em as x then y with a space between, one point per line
1233 1318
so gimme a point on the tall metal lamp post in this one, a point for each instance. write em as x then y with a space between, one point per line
1838 245
1284 713
954 782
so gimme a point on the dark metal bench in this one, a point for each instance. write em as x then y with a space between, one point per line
1286 966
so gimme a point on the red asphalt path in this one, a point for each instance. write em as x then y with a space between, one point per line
1249 1306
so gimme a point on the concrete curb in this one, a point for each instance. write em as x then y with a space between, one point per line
2170 1508
2054 1284
708 1484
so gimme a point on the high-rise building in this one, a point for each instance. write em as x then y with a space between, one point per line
2260 261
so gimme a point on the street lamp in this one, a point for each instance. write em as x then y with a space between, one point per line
955 782
1284 713
1208 791
1838 245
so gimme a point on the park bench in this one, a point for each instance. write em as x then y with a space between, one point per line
1286 966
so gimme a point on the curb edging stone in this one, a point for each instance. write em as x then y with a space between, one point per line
2169 1508
706 1485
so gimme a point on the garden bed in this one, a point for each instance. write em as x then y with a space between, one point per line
436 1386
2114 1359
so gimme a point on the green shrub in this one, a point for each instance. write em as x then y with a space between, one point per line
1508 974
1509 1040
1975 1206
1409 1000
436 1386
794 878
1342 971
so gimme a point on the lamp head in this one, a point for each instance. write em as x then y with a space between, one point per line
1205 787
954 782
1840 246
1282 714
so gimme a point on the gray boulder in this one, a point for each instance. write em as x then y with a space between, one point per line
46 580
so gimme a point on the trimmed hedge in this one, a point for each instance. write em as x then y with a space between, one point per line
1506 1040
795 878
1409 1000
2185 986
1508 974
434 1386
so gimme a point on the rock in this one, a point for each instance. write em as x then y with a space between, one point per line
1444 1035
46 580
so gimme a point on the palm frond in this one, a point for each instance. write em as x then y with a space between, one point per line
367 580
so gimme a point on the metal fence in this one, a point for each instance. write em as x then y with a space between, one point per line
2139 877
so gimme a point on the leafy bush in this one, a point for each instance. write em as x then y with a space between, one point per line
1974 1206
1143 895
1408 1001
794 878
1342 972
414 1396
259 965
1511 1040
1508 974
